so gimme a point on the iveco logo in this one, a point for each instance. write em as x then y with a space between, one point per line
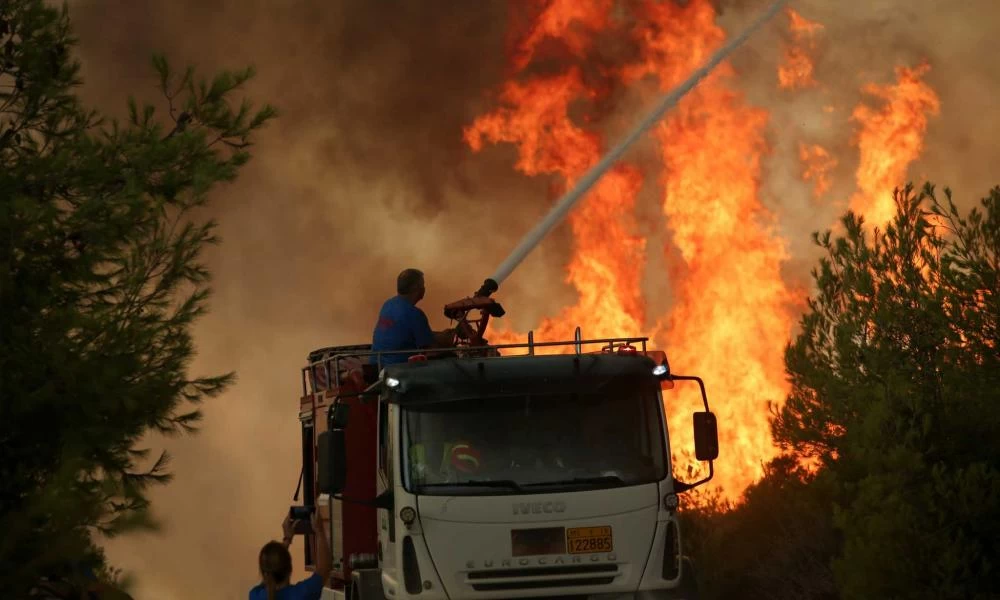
538 508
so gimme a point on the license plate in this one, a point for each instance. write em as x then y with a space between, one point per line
588 540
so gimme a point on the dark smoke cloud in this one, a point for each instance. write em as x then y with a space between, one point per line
391 83
366 173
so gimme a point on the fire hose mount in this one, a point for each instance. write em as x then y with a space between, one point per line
473 314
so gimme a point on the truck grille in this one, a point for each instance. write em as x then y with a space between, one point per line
495 580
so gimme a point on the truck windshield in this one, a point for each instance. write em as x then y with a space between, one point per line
524 443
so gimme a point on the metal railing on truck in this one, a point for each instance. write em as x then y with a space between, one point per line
328 367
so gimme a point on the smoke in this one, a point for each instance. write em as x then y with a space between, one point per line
366 173
861 43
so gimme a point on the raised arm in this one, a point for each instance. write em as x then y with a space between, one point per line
324 560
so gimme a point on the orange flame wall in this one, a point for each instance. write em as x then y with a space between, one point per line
728 323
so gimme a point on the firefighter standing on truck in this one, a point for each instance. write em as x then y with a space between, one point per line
403 326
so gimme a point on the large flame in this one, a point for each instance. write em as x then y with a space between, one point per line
797 69
890 138
729 322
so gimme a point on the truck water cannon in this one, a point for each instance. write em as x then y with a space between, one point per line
472 315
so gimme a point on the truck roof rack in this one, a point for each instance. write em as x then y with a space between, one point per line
325 363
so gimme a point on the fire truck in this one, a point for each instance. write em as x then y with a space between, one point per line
497 471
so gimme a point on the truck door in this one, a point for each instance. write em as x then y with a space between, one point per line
386 472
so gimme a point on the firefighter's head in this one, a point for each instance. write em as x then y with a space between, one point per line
410 284
465 458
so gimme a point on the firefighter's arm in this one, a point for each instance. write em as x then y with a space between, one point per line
324 561
428 338
288 529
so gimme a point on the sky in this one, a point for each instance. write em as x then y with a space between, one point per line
366 173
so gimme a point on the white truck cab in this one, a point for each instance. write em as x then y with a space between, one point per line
524 477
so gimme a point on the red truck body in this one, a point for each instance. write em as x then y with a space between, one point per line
332 372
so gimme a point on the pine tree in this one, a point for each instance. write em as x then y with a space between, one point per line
101 278
896 391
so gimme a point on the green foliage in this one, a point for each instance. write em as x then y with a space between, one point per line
896 392
101 278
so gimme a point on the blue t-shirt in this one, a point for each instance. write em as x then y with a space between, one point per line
310 588
400 326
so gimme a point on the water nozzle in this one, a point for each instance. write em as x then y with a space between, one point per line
489 286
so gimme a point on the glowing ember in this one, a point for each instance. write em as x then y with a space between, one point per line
802 27
890 138
797 70
817 164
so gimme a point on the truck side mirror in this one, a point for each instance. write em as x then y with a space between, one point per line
706 436
332 459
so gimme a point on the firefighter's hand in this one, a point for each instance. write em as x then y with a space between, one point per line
288 529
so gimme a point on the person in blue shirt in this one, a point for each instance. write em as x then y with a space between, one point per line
276 568
403 326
